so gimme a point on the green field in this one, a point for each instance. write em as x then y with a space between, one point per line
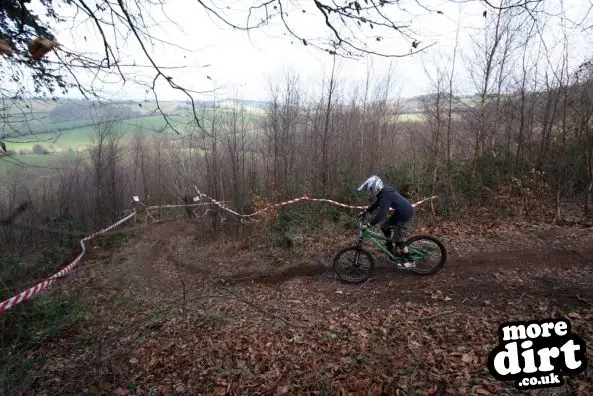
79 138
409 117
37 141
40 163
29 124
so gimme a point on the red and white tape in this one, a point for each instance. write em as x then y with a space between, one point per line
32 291
174 206
292 201
27 294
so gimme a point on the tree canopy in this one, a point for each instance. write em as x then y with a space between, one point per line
351 29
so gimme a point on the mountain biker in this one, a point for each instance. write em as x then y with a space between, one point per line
388 197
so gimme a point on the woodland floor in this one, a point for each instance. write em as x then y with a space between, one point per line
173 315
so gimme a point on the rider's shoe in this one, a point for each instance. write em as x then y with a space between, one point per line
406 265
408 262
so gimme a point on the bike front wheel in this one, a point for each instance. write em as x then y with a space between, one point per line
354 264
429 254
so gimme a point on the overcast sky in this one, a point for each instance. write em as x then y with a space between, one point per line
244 63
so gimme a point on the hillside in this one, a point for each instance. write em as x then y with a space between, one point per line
172 313
67 124
233 240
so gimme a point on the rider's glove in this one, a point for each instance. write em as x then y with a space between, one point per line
362 213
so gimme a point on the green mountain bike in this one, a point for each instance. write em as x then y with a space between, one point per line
356 264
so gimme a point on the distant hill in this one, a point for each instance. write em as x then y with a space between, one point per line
415 105
77 112
68 124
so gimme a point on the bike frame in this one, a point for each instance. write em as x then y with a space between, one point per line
377 239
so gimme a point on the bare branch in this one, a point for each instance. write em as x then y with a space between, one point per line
159 72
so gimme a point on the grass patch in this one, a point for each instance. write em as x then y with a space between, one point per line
77 135
46 317
20 161
149 125
64 136
31 324
408 117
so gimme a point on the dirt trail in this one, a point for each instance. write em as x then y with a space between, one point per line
525 267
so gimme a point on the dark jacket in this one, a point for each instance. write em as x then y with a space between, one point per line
387 198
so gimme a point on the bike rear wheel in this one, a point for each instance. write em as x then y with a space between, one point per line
354 260
421 248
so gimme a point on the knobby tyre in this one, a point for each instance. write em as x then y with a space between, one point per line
441 250
345 260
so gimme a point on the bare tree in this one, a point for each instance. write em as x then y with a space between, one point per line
326 133
493 53
584 126
101 162
352 30
450 82
280 129
434 108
